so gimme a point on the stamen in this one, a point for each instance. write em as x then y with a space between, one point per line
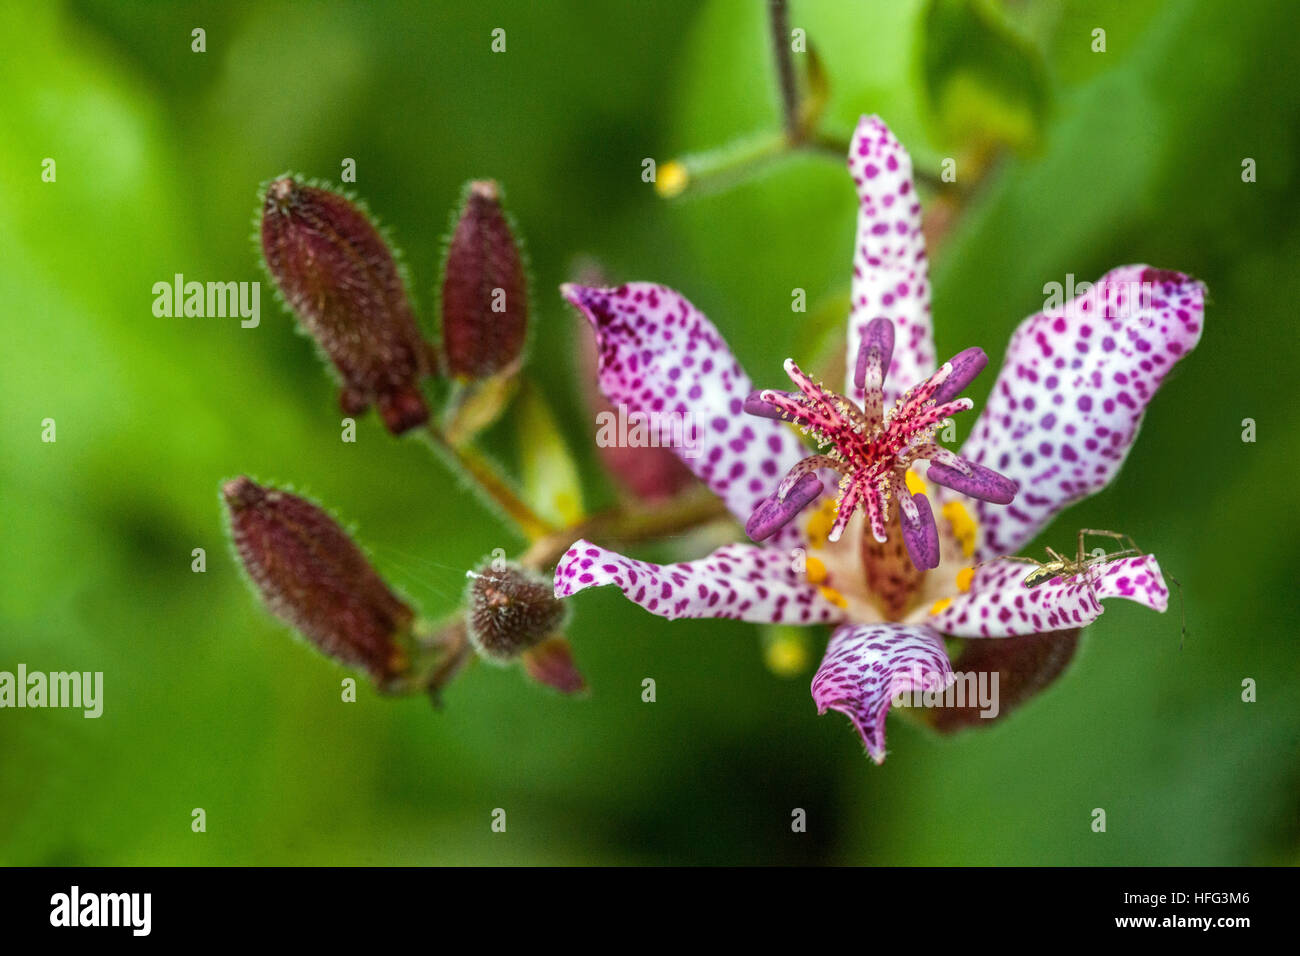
965 366
773 513
938 455
983 483
805 467
754 405
872 447
875 352
920 534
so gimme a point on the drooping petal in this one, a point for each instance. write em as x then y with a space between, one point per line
999 605
659 355
867 665
1025 666
739 581
890 270
1069 398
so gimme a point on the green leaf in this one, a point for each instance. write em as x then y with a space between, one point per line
984 83
551 484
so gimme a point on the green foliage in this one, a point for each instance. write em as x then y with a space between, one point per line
981 80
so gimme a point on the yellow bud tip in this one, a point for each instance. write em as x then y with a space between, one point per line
940 605
786 658
672 180
815 570
914 483
964 577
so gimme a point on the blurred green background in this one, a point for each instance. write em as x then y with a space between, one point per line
1132 155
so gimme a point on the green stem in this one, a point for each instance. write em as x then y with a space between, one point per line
627 525
490 483
779 22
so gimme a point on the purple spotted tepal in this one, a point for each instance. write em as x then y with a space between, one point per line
1064 411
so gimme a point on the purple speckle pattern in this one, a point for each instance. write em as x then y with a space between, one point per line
658 353
999 605
891 275
743 582
1070 396
867 665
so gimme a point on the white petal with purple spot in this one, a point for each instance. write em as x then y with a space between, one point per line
999 605
867 665
1070 396
890 269
739 581
658 354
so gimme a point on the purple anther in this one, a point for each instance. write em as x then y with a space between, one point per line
772 515
985 484
877 345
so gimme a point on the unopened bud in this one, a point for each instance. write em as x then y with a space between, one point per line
551 663
484 289
336 272
311 575
510 610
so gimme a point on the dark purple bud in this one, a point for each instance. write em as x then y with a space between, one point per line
510 610
484 289
311 575
551 663
337 273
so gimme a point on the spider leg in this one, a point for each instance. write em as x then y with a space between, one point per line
1010 557
1121 538
1182 607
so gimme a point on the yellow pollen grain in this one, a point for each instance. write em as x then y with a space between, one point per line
914 483
672 180
834 596
963 526
940 605
964 578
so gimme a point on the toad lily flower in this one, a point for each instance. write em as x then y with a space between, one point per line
1065 408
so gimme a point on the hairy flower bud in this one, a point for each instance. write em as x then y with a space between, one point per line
311 575
510 610
484 289
336 272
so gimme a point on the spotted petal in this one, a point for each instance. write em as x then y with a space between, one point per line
659 354
739 581
867 665
999 605
1069 399
890 269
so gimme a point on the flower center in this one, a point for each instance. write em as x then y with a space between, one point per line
872 447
